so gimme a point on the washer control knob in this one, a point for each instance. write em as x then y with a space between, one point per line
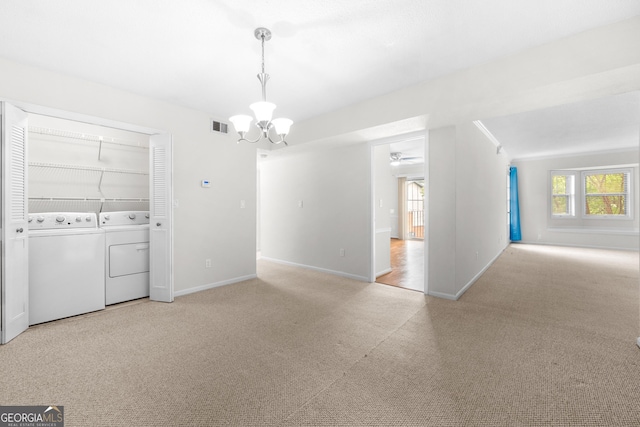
146 215
107 217
30 219
40 219
78 219
60 219
132 216
87 218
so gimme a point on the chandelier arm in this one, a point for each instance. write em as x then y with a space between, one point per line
277 142
242 138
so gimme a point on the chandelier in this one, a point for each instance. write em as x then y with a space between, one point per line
263 110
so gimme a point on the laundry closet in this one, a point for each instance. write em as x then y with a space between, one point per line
88 201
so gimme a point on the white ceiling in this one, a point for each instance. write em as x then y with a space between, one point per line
610 123
605 124
324 55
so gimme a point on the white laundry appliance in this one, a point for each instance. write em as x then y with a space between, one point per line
66 265
127 255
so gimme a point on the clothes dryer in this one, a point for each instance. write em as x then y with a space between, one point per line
66 265
127 255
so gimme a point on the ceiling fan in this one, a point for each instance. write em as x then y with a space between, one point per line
397 157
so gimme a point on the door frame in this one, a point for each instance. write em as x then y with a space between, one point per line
411 136
99 121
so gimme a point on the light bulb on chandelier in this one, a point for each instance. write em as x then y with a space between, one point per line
262 110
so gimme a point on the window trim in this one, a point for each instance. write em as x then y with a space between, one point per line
628 194
571 195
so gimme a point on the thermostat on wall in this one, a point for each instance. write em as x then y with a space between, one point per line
206 183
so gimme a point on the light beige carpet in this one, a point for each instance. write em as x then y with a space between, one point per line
545 337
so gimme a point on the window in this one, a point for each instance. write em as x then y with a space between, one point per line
607 193
594 193
562 194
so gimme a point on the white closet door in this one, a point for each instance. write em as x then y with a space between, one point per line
15 249
160 221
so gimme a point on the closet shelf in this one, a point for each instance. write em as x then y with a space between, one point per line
88 199
85 137
86 168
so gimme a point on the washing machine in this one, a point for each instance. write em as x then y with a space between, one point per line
66 265
126 255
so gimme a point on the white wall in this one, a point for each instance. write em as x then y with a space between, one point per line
383 203
539 227
208 223
334 187
441 234
394 208
481 204
467 208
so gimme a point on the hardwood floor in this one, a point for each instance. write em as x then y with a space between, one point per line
407 264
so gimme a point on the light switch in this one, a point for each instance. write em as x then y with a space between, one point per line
242 204
300 204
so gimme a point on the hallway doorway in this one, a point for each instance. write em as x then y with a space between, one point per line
407 265
399 227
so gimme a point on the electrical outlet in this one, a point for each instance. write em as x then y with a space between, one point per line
207 263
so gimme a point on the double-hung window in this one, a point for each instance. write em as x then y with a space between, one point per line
562 194
607 193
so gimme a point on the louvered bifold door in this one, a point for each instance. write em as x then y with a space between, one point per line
160 225
15 250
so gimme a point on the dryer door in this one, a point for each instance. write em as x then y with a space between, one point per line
127 259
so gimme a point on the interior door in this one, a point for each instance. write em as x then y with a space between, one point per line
160 221
14 235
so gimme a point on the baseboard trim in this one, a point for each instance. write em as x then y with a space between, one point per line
383 230
442 295
319 269
214 285
477 276
569 245
383 272
457 296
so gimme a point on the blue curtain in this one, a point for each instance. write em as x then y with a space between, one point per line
514 220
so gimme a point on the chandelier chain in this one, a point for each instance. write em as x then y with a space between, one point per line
262 54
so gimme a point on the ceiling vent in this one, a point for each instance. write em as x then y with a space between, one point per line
219 127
